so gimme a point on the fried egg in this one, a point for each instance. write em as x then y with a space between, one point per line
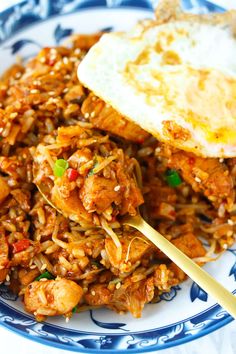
177 80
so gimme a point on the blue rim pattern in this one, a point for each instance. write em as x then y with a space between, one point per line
28 12
11 20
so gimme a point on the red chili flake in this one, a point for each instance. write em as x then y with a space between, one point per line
113 219
51 62
20 245
172 213
72 174
140 140
191 160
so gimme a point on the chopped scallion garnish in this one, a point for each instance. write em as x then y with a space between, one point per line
60 167
91 172
173 178
74 310
45 275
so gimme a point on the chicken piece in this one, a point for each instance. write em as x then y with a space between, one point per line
133 296
71 206
52 297
4 189
134 247
98 193
160 199
24 257
190 245
131 194
98 177
75 94
98 295
26 276
4 261
106 118
206 175
66 134
80 157
164 278
178 272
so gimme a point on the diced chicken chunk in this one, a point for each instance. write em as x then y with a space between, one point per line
52 297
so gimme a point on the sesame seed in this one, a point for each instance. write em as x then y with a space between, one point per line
53 57
221 210
52 100
86 115
221 160
92 114
230 222
34 91
117 188
73 59
77 51
66 89
225 246
67 319
17 105
51 93
18 75
42 60
67 77
65 60
118 285
94 98
107 105
7 277
53 50
229 233
44 266
33 266
93 293
197 179
36 82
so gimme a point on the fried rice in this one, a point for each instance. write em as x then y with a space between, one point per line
61 262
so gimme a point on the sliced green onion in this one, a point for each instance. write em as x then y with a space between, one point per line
60 167
91 172
45 275
173 178
96 264
74 310
1 138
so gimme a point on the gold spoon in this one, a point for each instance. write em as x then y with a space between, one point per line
223 296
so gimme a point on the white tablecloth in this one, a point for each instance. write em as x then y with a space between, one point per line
221 341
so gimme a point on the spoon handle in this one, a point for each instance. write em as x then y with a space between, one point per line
224 297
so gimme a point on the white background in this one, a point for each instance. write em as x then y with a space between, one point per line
221 341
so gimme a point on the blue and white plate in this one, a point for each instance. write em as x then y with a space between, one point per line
184 314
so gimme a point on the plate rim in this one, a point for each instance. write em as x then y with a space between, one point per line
228 319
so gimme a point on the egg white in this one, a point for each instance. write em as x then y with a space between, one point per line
176 80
